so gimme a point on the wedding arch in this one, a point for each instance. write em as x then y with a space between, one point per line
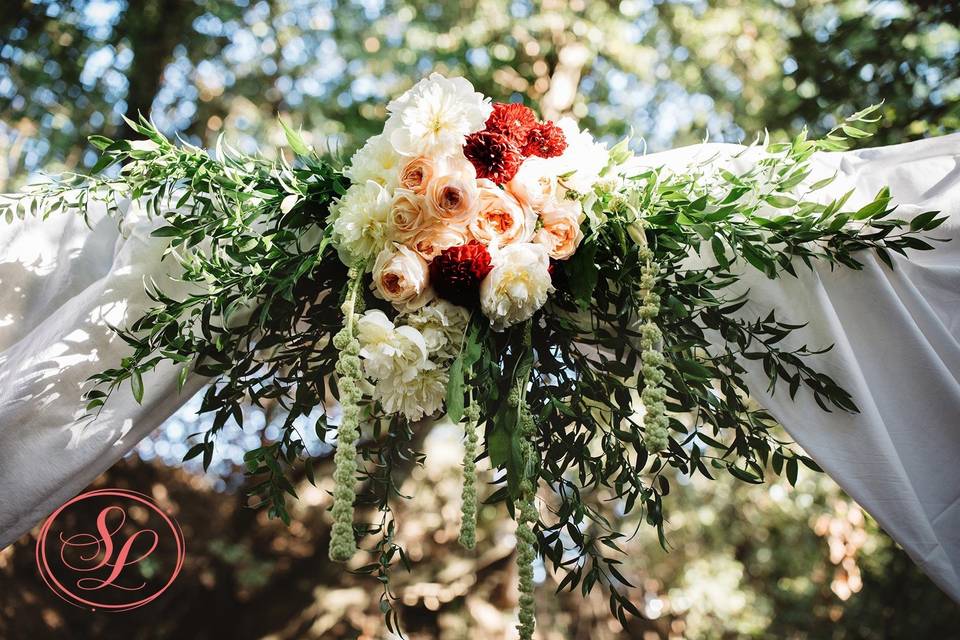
592 318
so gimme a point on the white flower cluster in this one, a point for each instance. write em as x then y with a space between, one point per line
408 363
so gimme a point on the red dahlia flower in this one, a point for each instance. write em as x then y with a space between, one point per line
457 272
493 155
513 120
545 140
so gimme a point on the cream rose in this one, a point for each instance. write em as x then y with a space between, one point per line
518 285
535 184
500 219
452 199
401 277
560 233
431 240
406 215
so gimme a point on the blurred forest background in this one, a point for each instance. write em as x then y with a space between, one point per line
764 561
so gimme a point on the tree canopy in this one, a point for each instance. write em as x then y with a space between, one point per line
670 72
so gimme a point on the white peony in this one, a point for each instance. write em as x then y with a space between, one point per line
517 286
435 116
377 161
361 221
442 325
400 276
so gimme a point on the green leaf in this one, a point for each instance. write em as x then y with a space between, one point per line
472 347
922 220
136 385
692 369
582 272
780 202
743 474
875 207
455 390
295 140
166 232
195 451
792 471
182 377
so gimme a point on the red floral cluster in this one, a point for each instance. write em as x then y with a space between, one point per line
457 272
512 134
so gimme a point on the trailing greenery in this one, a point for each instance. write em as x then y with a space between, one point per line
633 318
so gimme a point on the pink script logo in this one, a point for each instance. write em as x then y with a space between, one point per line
103 549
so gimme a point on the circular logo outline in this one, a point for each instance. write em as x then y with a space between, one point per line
64 593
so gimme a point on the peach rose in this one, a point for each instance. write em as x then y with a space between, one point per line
500 219
416 174
401 277
560 233
452 199
430 241
535 184
406 215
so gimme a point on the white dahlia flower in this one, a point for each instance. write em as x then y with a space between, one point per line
435 116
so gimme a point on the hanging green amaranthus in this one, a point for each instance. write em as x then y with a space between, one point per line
342 542
654 419
468 522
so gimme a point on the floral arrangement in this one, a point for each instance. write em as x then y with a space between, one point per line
511 274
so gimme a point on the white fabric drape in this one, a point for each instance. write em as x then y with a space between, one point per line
897 337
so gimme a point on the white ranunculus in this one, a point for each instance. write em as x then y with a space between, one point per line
435 116
361 221
442 324
400 276
517 286
377 161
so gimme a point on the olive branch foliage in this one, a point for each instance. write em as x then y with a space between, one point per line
264 292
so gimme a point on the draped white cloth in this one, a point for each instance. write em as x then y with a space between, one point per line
897 337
